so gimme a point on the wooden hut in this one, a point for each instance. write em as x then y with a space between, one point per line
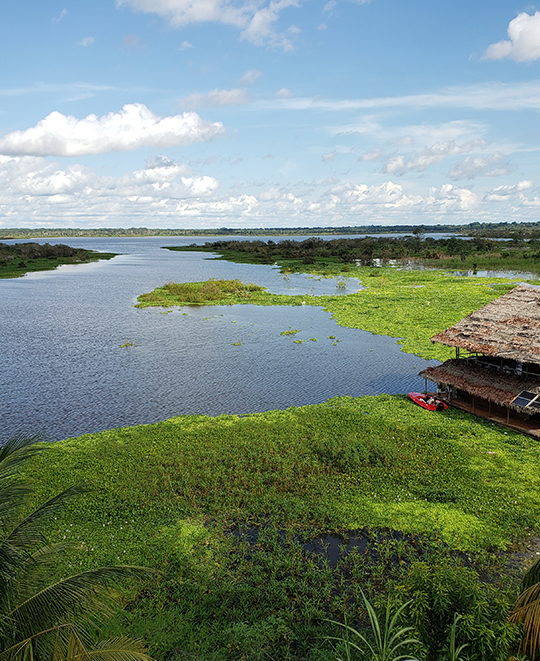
496 371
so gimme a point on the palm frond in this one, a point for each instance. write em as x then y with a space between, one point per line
526 611
17 451
531 576
89 595
30 531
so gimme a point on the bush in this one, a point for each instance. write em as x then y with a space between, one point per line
439 590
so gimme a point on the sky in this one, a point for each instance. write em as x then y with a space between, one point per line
268 113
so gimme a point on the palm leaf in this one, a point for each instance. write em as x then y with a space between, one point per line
89 595
531 576
17 451
526 611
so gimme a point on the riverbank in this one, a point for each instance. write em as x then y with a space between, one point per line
242 515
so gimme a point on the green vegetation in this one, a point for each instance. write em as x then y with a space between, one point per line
267 525
336 256
21 258
410 305
214 292
41 620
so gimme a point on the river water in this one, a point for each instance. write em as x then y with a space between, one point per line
64 371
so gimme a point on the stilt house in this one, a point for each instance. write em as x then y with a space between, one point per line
496 371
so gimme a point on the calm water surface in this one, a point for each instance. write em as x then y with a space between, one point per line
64 372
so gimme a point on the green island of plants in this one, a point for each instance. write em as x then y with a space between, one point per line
267 526
20 258
409 305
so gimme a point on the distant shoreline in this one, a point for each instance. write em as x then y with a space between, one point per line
37 233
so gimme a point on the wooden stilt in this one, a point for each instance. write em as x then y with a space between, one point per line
507 414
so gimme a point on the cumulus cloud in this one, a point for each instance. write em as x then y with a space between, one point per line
419 161
524 42
250 77
256 20
504 192
217 99
471 167
135 126
185 45
328 158
86 41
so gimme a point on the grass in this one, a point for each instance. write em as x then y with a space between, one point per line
225 507
409 305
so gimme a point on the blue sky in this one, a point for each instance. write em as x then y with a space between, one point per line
268 113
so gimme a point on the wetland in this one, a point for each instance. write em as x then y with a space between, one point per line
285 473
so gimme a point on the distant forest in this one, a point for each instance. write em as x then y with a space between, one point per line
25 233
530 230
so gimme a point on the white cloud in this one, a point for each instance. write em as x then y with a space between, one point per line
485 96
217 99
36 192
200 185
492 165
260 30
328 158
185 45
524 43
372 155
256 21
86 41
329 6
322 26
504 192
57 19
420 160
284 93
135 126
250 77
448 198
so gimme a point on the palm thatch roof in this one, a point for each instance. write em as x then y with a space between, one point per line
483 382
508 327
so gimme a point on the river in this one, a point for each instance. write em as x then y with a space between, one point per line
64 371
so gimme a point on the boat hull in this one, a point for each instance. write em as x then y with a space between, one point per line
427 402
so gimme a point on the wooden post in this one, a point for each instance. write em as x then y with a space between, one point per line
473 404
507 414
425 386
489 408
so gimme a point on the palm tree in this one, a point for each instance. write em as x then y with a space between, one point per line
526 610
40 620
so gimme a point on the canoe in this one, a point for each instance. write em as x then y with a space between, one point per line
427 402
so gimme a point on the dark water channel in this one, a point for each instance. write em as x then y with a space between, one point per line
64 372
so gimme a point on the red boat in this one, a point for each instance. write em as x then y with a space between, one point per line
427 401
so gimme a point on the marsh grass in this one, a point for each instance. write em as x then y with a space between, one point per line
217 292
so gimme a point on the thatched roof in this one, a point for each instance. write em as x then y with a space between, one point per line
486 383
508 327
